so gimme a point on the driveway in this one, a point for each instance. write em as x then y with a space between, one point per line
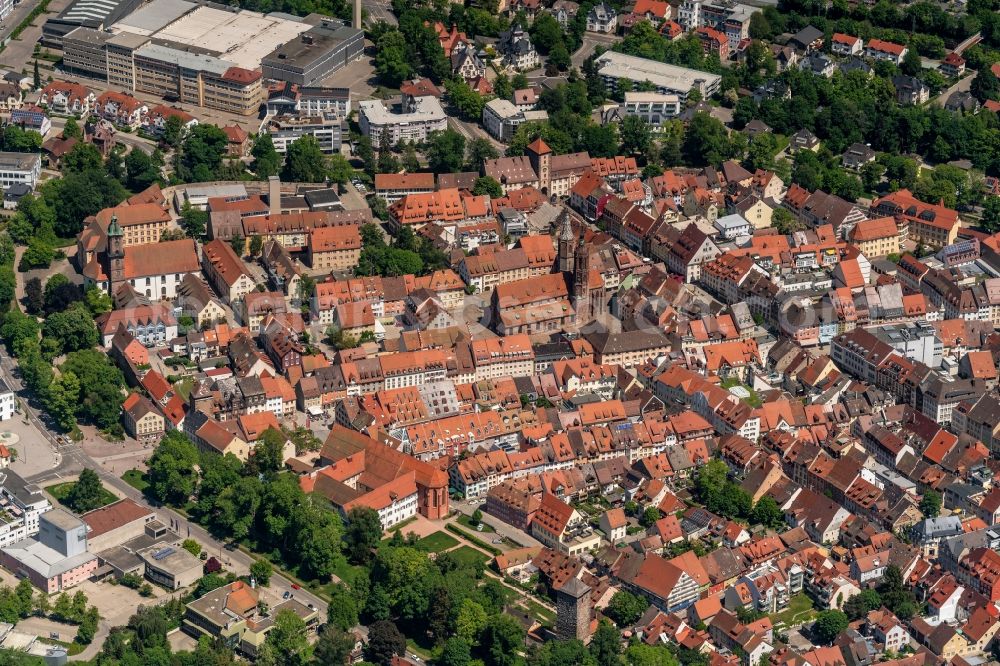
590 43
502 528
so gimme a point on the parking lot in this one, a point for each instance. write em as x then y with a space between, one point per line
117 603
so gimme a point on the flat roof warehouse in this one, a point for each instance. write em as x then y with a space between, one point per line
209 36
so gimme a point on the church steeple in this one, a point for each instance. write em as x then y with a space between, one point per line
581 283
116 254
567 245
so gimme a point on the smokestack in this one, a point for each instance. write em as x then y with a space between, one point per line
274 195
357 14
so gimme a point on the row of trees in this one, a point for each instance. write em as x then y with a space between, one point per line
251 502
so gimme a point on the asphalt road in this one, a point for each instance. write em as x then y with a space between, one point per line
72 460
379 10
124 138
591 40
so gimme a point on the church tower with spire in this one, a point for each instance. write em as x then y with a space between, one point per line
567 245
581 283
116 255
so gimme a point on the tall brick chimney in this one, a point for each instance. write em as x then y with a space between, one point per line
357 14
274 195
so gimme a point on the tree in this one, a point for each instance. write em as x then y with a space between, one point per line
18 327
71 130
261 571
605 646
172 475
36 78
985 86
392 64
911 65
266 160
650 516
871 175
783 220
193 221
39 254
706 141
470 618
173 131
468 102
991 214
386 162
202 152
560 58
488 185
636 135
625 608
34 299
286 644
364 531
445 151
142 170
334 646
766 512
72 329
304 161
256 245
828 625
384 642
502 638
930 504
62 398
858 606
479 150
640 654
86 494
456 652
339 169
342 611
101 385
239 245
191 546
88 626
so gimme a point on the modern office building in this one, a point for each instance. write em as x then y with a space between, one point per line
206 54
316 54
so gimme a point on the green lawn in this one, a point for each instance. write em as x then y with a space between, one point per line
61 490
469 554
136 479
467 522
346 571
800 609
183 387
540 612
754 399
416 649
437 542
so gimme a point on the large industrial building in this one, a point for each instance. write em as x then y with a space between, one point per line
206 54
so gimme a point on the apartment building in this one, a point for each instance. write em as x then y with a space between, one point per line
225 271
877 237
411 123
334 248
